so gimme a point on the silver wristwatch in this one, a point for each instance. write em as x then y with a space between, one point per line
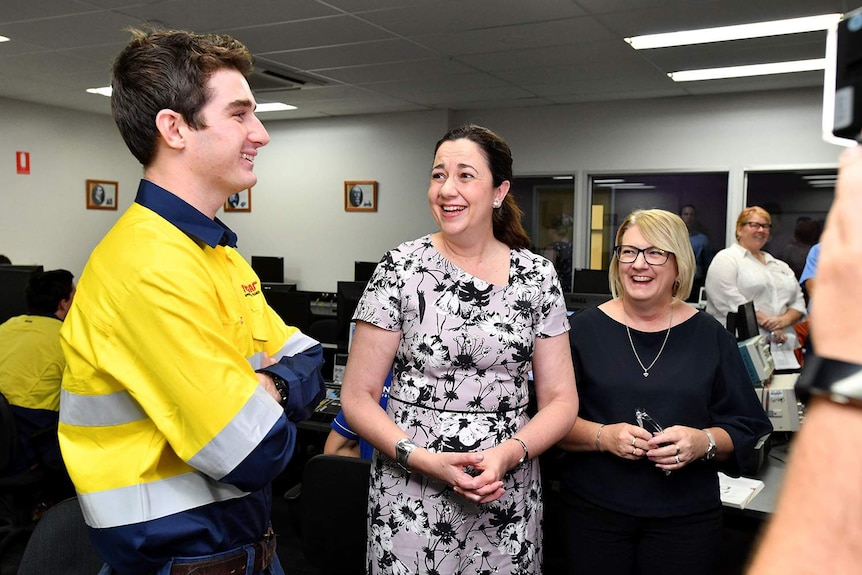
712 449
403 448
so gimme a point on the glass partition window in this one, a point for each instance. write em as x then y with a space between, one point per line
548 204
797 201
699 197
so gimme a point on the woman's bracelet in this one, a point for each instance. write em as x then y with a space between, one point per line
526 456
598 436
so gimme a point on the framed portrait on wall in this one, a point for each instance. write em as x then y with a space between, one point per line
360 196
239 202
101 195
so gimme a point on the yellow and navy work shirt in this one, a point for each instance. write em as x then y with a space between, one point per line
31 367
168 437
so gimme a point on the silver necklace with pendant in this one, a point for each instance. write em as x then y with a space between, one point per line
632 343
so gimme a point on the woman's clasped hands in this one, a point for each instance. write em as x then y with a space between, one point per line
672 449
476 476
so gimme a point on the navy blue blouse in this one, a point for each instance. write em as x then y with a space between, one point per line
699 381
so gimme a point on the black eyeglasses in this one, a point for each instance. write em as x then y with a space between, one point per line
758 226
652 255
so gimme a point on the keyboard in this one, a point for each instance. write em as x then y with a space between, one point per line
326 410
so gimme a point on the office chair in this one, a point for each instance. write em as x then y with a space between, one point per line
60 544
18 488
333 508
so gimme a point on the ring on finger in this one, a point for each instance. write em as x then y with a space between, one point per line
634 450
677 448
676 458
633 440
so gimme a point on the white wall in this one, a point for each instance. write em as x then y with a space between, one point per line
298 204
732 132
43 218
703 132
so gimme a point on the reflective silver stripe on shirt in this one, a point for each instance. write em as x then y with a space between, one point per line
99 410
256 360
239 437
298 343
148 501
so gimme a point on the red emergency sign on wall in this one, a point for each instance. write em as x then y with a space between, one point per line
22 161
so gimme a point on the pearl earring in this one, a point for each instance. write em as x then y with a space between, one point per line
496 203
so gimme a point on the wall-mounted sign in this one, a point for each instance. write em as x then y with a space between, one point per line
22 162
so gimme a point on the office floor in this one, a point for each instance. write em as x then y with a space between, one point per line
289 546
738 538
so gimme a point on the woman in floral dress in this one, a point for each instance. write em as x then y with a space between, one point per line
464 314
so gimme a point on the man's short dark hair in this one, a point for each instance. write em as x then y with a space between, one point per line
46 290
167 69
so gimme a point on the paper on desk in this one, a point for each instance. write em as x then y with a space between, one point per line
738 491
782 354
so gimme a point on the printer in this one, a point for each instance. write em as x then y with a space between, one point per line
776 391
781 403
757 359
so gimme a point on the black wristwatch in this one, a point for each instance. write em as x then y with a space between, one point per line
837 380
281 385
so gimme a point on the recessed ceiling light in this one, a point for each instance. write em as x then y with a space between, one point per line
273 107
4 39
264 107
740 32
632 186
103 91
752 70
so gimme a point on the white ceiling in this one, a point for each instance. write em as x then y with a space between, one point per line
373 56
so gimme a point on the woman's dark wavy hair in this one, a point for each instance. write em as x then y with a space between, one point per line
167 69
507 218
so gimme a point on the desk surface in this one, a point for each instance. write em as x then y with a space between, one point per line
772 475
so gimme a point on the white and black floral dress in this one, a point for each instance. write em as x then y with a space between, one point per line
460 384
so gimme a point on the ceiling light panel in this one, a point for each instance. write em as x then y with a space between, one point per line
739 32
747 71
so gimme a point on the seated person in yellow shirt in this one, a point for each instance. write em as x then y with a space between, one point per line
31 368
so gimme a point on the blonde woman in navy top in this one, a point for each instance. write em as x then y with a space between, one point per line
665 403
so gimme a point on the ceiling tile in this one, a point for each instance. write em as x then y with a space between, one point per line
360 54
383 55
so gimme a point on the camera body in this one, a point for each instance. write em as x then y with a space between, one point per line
843 81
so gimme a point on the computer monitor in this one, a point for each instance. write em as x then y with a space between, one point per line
13 289
576 302
269 269
591 281
348 295
362 271
293 307
269 288
743 323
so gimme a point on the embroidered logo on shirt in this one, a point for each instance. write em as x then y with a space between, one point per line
250 289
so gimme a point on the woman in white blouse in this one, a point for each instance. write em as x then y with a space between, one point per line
743 272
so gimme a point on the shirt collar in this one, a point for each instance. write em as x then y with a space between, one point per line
39 314
767 257
184 216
